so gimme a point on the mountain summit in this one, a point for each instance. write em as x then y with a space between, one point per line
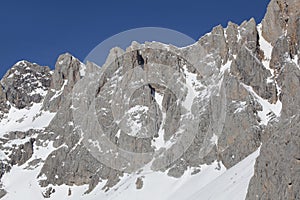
215 120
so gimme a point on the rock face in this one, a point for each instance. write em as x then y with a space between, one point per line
21 154
282 18
3 103
67 73
25 83
277 174
163 108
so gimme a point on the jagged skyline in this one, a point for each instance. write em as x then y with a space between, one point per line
218 119
40 31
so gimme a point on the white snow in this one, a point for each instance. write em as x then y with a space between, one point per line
134 119
95 144
118 134
212 182
21 183
192 85
241 106
239 36
25 119
225 34
21 62
295 61
11 75
267 48
159 99
82 69
59 92
159 142
158 185
267 107
214 139
226 67
15 142
40 91
232 184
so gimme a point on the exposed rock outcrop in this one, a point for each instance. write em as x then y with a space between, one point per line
277 174
68 71
25 83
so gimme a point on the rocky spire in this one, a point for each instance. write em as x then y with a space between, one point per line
68 70
282 19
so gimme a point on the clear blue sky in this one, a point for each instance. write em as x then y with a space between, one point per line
39 31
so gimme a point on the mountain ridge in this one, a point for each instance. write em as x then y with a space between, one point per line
236 92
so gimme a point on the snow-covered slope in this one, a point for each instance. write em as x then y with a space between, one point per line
24 119
212 182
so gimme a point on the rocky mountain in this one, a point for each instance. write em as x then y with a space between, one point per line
215 120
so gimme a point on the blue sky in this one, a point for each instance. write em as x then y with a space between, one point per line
39 31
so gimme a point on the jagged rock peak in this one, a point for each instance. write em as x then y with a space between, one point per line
68 70
282 19
26 83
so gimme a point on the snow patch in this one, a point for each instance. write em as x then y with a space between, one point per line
158 185
134 120
242 105
82 69
267 108
214 139
225 67
193 86
267 48
239 36
295 61
232 184
59 92
22 63
159 142
25 119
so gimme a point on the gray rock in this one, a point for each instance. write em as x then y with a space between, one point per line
4 106
280 54
22 153
216 43
277 174
139 183
249 36
2 193
282 19
48 192
65 75
251 72
289 82
24 84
